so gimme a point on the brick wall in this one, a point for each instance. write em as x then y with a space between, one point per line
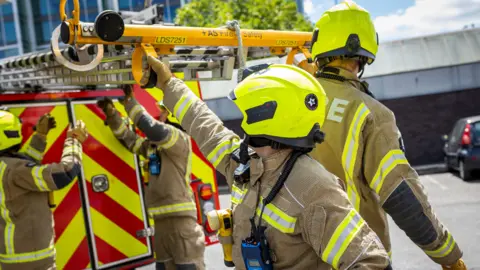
422 121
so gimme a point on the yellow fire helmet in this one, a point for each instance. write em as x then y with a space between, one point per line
283 104
170 116
10 130
345 30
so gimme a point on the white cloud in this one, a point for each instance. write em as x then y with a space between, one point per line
314 8
428 17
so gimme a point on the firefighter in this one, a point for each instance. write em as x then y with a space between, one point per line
294 214
363 145
27 238
179 239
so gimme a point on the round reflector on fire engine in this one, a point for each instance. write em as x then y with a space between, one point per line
206 192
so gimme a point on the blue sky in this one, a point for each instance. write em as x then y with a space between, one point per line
398 19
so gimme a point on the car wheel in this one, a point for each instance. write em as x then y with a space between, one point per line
464 173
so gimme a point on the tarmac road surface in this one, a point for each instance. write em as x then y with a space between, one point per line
457 205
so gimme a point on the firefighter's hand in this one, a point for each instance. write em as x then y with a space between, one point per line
79 131
459 265
128 92
44 124
163 72
107 107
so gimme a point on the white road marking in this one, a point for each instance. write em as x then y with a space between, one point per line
431 179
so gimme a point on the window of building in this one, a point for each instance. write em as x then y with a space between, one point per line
7 25
124 4
2 33
8 52
10 34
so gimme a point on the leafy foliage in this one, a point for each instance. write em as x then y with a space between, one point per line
252 14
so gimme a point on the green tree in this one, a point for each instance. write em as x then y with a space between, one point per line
252 14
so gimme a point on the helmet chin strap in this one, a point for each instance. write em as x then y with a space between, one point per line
323 62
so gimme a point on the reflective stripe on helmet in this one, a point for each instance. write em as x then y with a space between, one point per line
341 238
171 208
276 217
388 163
350 151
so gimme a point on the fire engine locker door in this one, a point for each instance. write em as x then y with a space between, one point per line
70 237
113 186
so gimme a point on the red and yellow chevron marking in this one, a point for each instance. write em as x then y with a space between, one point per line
71 242
116 214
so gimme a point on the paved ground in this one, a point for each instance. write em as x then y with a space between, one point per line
457 204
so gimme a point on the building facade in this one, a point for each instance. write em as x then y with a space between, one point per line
10 43
300 6
27 25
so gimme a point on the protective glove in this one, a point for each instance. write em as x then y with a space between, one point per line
107 106
79 131
128 93
161 72
459 265
44 124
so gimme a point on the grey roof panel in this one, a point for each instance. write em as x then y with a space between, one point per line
427 52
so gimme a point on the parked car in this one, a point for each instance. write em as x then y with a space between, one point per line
462 147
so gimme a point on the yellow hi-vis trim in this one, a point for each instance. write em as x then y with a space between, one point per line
137 144
276 217
34 153
189 167
238 194
134 111
172 208
9 226
444 250
172 139
37 173
349 155
182 106
29 256
342 237
387 164
224 148
121 129
73 150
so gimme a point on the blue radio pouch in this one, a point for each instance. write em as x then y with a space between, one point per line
154 163
252 256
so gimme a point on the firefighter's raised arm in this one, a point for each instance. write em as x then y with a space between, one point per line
215 141
54 176
36 147
401 194
131 140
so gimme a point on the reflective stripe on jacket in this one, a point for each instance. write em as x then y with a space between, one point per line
26 222
308 217
366 153
168 193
